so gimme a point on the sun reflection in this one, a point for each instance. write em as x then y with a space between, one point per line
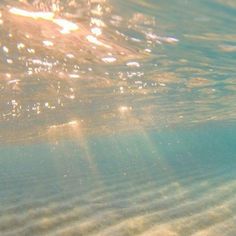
31 14
82 38
67 26
97 31
94 40
5 49
109 59
133 64
103 59
48 43
124 109
70 124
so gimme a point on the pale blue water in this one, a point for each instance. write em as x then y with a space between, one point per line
131 132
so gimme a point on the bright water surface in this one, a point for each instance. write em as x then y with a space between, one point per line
118 117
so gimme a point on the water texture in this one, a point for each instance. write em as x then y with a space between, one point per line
117 117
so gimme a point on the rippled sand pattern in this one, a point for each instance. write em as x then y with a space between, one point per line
137 193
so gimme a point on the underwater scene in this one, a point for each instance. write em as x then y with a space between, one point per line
117 118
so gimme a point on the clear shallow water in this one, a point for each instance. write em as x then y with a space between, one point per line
127 132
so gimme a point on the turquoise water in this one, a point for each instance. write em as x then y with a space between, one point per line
117 118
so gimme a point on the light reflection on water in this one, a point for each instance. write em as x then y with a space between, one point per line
55 64
57 67
145 92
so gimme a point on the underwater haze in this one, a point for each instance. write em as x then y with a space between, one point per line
117 117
